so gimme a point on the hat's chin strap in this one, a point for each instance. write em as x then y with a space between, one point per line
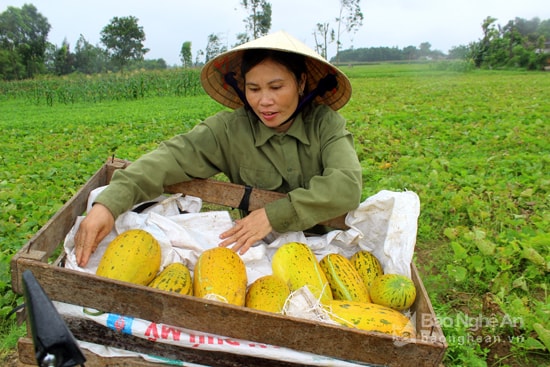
326 84
229 78
329 82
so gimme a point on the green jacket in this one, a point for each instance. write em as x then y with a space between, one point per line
314 162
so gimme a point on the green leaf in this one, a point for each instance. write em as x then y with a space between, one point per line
451 233
531 344
532 255
477 262
520 283
543 333
460 252
457 272
486 247
527 193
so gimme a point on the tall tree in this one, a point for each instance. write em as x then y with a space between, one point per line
425 49
527 28
89 59
214 47
323 35
198 56
544 29
258 22
480 50
124 38
349 20
410 53
185 54
23 40
242 38
64 59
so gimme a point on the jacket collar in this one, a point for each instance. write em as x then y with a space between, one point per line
263 133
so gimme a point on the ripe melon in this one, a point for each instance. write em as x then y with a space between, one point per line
220 274
367 265
268 293
133 256
175 277
393 290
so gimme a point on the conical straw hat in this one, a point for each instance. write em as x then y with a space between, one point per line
212 74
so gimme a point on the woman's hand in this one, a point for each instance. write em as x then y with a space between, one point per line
96 225
247 231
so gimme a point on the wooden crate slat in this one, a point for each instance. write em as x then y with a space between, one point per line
27 358
223 193
229 194
222 319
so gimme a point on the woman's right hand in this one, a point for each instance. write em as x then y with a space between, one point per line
94 227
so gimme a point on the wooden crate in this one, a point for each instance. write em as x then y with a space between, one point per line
79 288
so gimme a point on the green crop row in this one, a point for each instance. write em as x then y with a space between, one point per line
77 88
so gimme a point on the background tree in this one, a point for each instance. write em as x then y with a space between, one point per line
149 64
527 28
242 38
490 33
513 35
410 53
458 52
258 22
518 44
425 49
544 29
323 35
89 59
123 38
64 60
371 54
198 56
185 55
214 47
23 42
349 20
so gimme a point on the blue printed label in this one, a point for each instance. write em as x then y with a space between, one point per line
120 323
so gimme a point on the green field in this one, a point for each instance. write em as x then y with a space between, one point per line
473 145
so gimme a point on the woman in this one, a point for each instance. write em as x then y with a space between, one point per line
283 135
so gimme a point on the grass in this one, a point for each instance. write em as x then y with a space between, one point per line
473 145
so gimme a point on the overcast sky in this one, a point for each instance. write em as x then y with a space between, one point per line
169 23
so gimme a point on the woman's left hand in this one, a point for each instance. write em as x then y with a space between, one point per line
247 231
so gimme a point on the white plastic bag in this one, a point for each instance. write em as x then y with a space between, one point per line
387 223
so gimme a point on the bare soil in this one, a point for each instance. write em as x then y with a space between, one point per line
10 359
500 348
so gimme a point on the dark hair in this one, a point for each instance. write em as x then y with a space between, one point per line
295 63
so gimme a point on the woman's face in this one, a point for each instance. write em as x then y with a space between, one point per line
273 93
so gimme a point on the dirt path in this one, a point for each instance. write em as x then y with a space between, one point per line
9 360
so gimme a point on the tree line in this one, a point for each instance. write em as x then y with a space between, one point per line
520 43
381 54
26 53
